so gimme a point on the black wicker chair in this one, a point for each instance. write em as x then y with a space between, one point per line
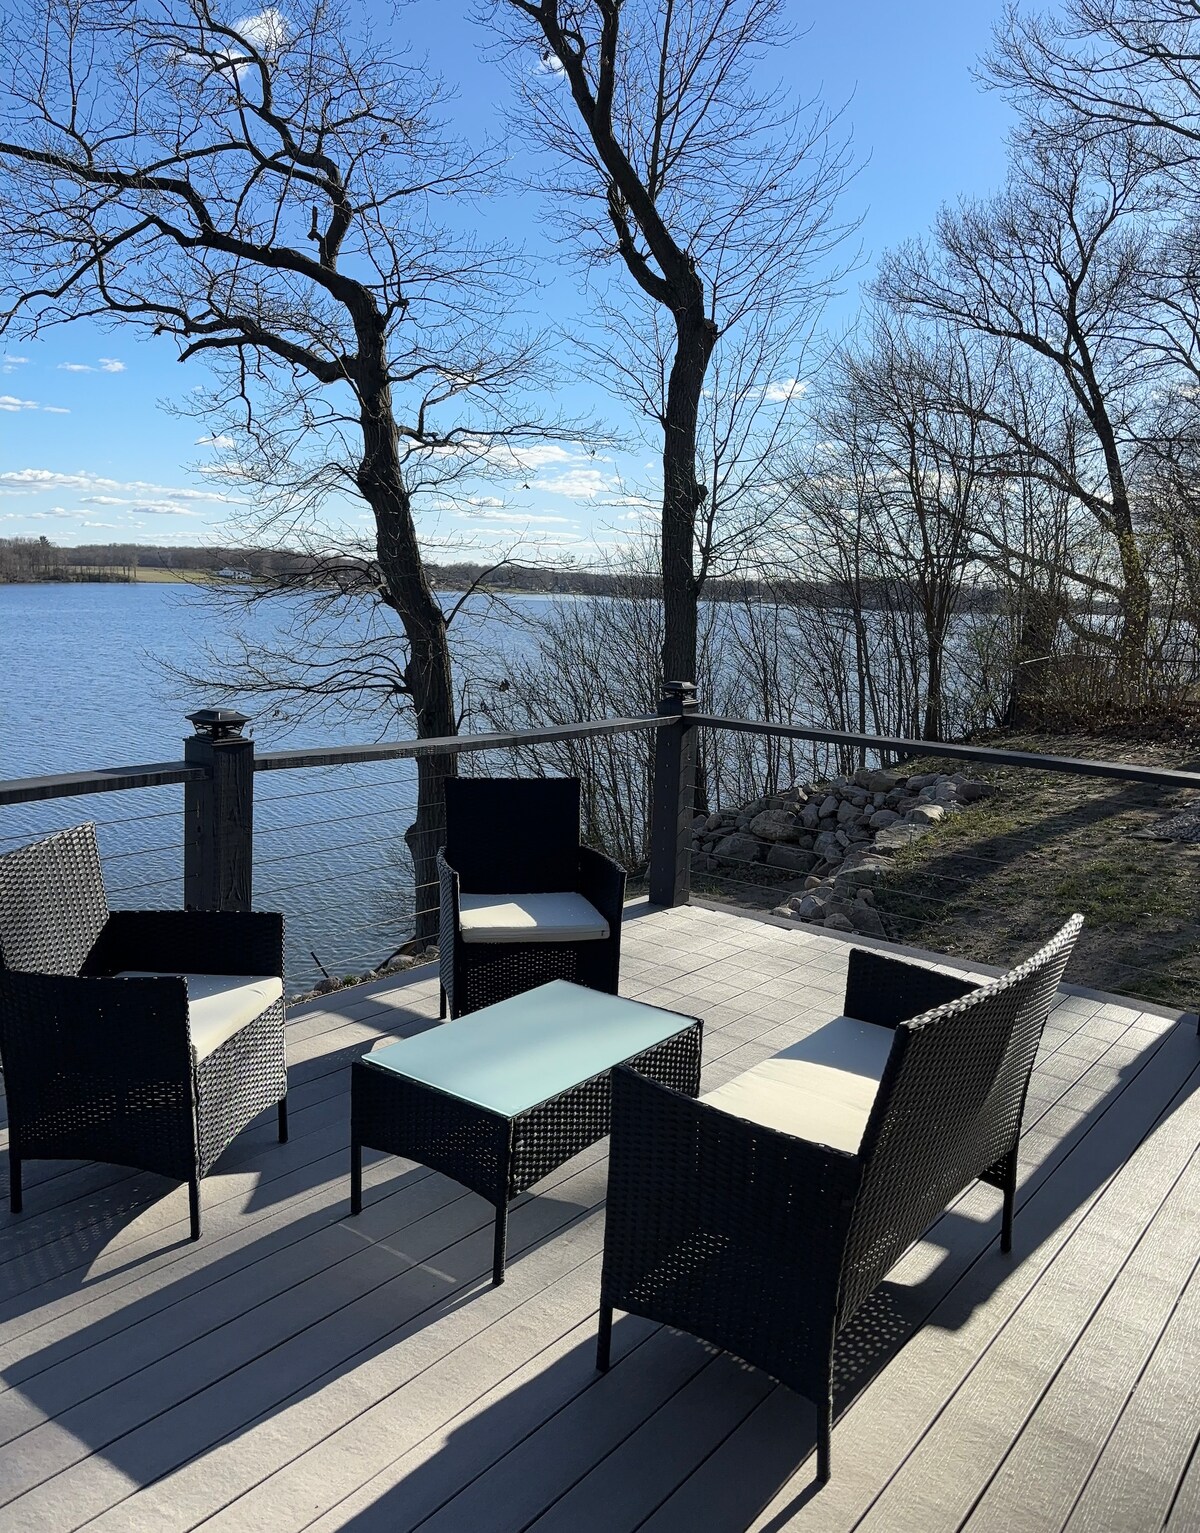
130 1069
522 901
766 1242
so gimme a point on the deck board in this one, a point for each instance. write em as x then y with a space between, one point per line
299 1369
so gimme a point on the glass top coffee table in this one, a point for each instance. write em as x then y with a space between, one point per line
502 1097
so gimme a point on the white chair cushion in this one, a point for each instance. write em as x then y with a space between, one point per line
220 1005
820 1089
529 918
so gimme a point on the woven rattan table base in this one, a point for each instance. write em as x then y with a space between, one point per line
496 1156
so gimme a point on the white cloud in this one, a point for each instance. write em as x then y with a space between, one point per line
578 483
509 515
11 403
145 506
106 365
9 363
223 442
32 481
783 389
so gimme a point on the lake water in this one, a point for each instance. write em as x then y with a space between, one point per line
83 688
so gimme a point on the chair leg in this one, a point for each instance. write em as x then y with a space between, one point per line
14 1183
194 1206
604 1338
442 1003
356 1178
283 1123
1010 1204
824 1439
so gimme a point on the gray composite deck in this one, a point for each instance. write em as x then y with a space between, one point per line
300 1369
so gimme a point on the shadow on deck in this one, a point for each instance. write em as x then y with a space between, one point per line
299 1369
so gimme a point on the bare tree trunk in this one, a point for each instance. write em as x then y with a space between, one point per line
428 672
683 493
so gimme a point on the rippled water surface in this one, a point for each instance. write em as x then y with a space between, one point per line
83 687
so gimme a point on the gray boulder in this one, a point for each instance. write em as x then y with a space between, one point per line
792 858
867 922
829 806
927 814
828 847
896 837
810 816
838 923
882 818
774 825
971 792
847 810
738 848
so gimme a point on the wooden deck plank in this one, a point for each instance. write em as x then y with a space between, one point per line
194 1257
940 1479
272 1377
1053 1457
553 1453
883 1426
1135 1477
51 1448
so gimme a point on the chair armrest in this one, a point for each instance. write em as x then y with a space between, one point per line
602 881
698 1198
886 990
448 887
190 942
71 1029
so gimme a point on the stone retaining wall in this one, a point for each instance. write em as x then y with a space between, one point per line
840 836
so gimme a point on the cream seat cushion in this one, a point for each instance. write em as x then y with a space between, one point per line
820 1089
220 1005
529 918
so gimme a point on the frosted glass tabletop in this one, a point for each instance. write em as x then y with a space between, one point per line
517 1053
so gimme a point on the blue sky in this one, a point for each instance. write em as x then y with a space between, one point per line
88 455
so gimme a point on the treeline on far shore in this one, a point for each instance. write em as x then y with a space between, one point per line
32 560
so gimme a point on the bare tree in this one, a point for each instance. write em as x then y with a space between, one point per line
1051 269
715 194
264 194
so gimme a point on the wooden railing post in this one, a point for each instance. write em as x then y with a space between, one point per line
218 813
674 797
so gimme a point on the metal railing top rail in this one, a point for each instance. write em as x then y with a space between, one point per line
166 773
986 755
450 745
26 790
154 774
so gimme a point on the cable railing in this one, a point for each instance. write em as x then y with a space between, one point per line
336 849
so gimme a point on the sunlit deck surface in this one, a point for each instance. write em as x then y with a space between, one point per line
301 1369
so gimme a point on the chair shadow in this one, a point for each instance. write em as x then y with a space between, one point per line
221 1353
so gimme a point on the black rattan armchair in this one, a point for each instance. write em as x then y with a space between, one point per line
159 1068
522 901
747 1232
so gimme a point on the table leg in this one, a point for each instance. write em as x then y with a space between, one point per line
356 1178
500 1248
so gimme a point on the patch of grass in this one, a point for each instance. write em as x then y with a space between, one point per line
994 880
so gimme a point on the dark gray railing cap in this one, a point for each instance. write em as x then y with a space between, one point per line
218 723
